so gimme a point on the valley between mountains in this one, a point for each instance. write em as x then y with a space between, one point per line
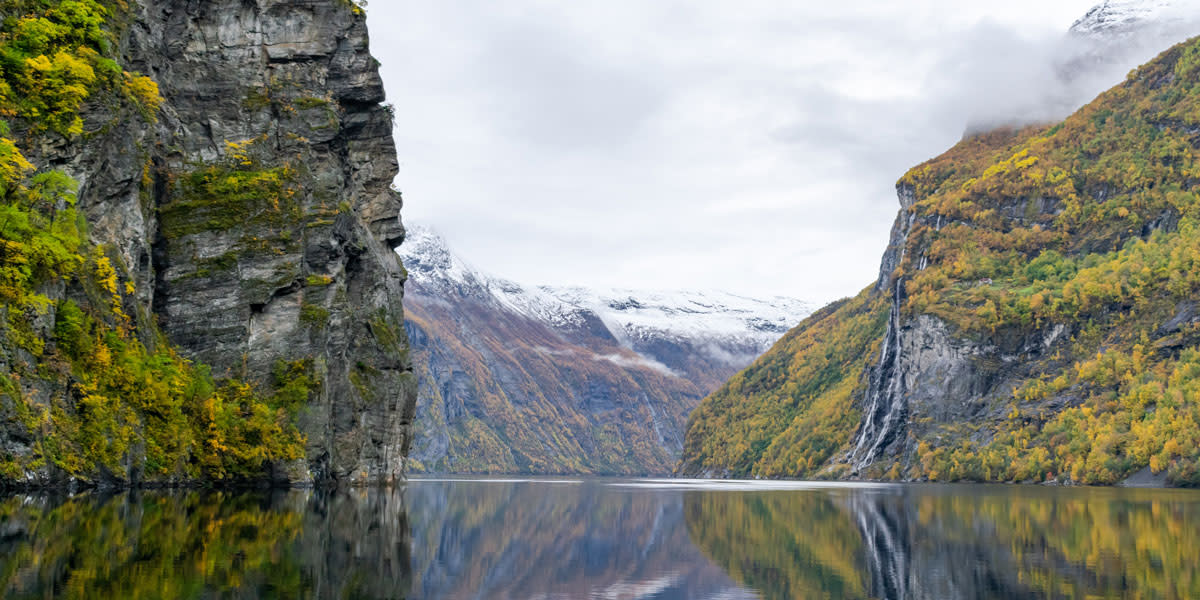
1034 320
522 379
199 285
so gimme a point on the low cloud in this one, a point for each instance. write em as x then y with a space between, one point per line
635 362
729 358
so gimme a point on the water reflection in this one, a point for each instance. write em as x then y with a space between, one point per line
927 542
297 544
607 539
549 540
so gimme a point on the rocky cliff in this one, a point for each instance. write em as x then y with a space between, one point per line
1034 319
565 380
230 305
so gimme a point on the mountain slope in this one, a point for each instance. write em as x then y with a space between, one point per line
1039 306
565 380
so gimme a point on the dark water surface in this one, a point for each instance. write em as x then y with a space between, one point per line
606 539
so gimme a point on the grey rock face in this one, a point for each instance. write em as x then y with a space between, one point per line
299 269
296 78
296 82
928 375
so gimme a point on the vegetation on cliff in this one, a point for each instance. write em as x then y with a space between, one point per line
70 317
525 400
794 407
1115 263
1090 227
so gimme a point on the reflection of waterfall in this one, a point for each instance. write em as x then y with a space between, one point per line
960 542
932 545
887 547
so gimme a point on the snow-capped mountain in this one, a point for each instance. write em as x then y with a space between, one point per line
1123 18
634 317
1118 35
517 378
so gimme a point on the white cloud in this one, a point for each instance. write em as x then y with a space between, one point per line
749 146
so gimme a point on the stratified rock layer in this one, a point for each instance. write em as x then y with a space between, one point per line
284 98
296 79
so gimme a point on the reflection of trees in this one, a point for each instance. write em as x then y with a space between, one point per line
957 542
1065 543
785 545
205 544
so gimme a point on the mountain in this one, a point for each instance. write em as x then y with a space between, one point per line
565 380
1114 21
197 280
1035 316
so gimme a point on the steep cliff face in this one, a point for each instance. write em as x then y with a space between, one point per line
241 283
247 215
1034 318
565 380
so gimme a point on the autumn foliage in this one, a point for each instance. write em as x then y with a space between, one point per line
1089 228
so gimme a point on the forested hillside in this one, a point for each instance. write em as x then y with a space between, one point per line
1036 317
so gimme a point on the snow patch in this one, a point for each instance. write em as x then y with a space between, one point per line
1118 18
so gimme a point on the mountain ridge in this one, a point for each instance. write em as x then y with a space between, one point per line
605 379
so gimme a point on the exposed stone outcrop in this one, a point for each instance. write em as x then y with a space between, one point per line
297 79
255 213
929 374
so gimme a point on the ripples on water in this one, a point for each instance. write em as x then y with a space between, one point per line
606 539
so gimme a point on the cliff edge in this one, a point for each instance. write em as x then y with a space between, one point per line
227 304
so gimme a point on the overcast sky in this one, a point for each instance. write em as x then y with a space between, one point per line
749 146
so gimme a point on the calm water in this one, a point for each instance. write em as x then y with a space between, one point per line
606 539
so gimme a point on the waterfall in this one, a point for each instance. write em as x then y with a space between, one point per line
886 407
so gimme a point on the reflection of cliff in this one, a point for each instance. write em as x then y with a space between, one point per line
932 543
526 540
199 545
